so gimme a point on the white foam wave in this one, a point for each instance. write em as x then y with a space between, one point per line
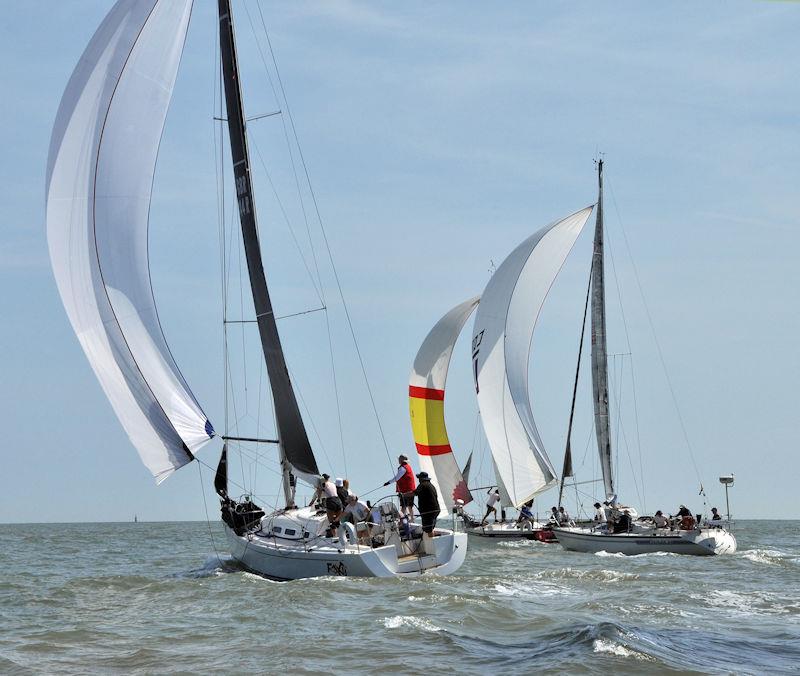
633 556
768 556
409 621
601 645
593 575
531 591
746 603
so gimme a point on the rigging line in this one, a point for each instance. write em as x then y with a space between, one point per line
336 392
317 289
655 337
321 290
208 520
324 235
286 131
308 415
638 438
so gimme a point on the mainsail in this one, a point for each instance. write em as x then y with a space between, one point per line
599 350
100 171
501 347
426 405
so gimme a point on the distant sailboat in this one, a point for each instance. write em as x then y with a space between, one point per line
639 537
100 173
501 346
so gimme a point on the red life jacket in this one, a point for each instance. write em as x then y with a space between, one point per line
407 482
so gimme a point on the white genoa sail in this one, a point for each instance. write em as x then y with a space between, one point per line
101 164
501 345
426 405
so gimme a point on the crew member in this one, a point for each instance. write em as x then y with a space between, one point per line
660 520
715 515
494 496
406 483
427 503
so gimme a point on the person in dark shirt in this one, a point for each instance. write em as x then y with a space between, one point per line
715 515
427 502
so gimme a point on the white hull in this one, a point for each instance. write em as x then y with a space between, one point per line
698 542
292 559
506 531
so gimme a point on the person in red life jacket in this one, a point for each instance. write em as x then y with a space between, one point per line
406 483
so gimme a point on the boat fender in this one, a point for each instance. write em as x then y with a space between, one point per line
527 526
347 533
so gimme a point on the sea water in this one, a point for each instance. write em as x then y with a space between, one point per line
166 598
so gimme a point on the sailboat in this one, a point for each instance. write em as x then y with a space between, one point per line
507 312
639 536
101 165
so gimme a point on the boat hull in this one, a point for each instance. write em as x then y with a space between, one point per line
292 560
702 542
509 531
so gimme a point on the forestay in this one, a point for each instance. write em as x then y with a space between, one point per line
501 346
426 405
100 171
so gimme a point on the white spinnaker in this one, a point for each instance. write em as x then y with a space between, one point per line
100 171
501 346
429 373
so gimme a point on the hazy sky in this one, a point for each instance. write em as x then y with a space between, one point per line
438 136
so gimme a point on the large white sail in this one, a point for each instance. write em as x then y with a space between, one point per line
100 171
501 346
426 405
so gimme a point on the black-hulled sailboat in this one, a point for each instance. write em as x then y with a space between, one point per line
101 165
623 534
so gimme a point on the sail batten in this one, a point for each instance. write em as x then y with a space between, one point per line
426 391
501 346
101 164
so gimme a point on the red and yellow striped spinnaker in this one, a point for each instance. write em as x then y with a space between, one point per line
426 406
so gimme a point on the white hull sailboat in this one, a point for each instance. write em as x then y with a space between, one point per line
291 544
630 535
101 166
646 540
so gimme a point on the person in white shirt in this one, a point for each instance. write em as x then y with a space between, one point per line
660 520
600 513
494 497
333 505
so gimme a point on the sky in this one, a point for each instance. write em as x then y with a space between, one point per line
437 137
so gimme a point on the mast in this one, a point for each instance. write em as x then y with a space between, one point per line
295 449
599 350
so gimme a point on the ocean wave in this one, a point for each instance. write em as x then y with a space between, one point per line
214 566
748 603
411 622
620 555
768 556
601 645
592 575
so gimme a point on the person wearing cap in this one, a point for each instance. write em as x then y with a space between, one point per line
333 505
687 521
406 484
494 497
427 503
341 491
